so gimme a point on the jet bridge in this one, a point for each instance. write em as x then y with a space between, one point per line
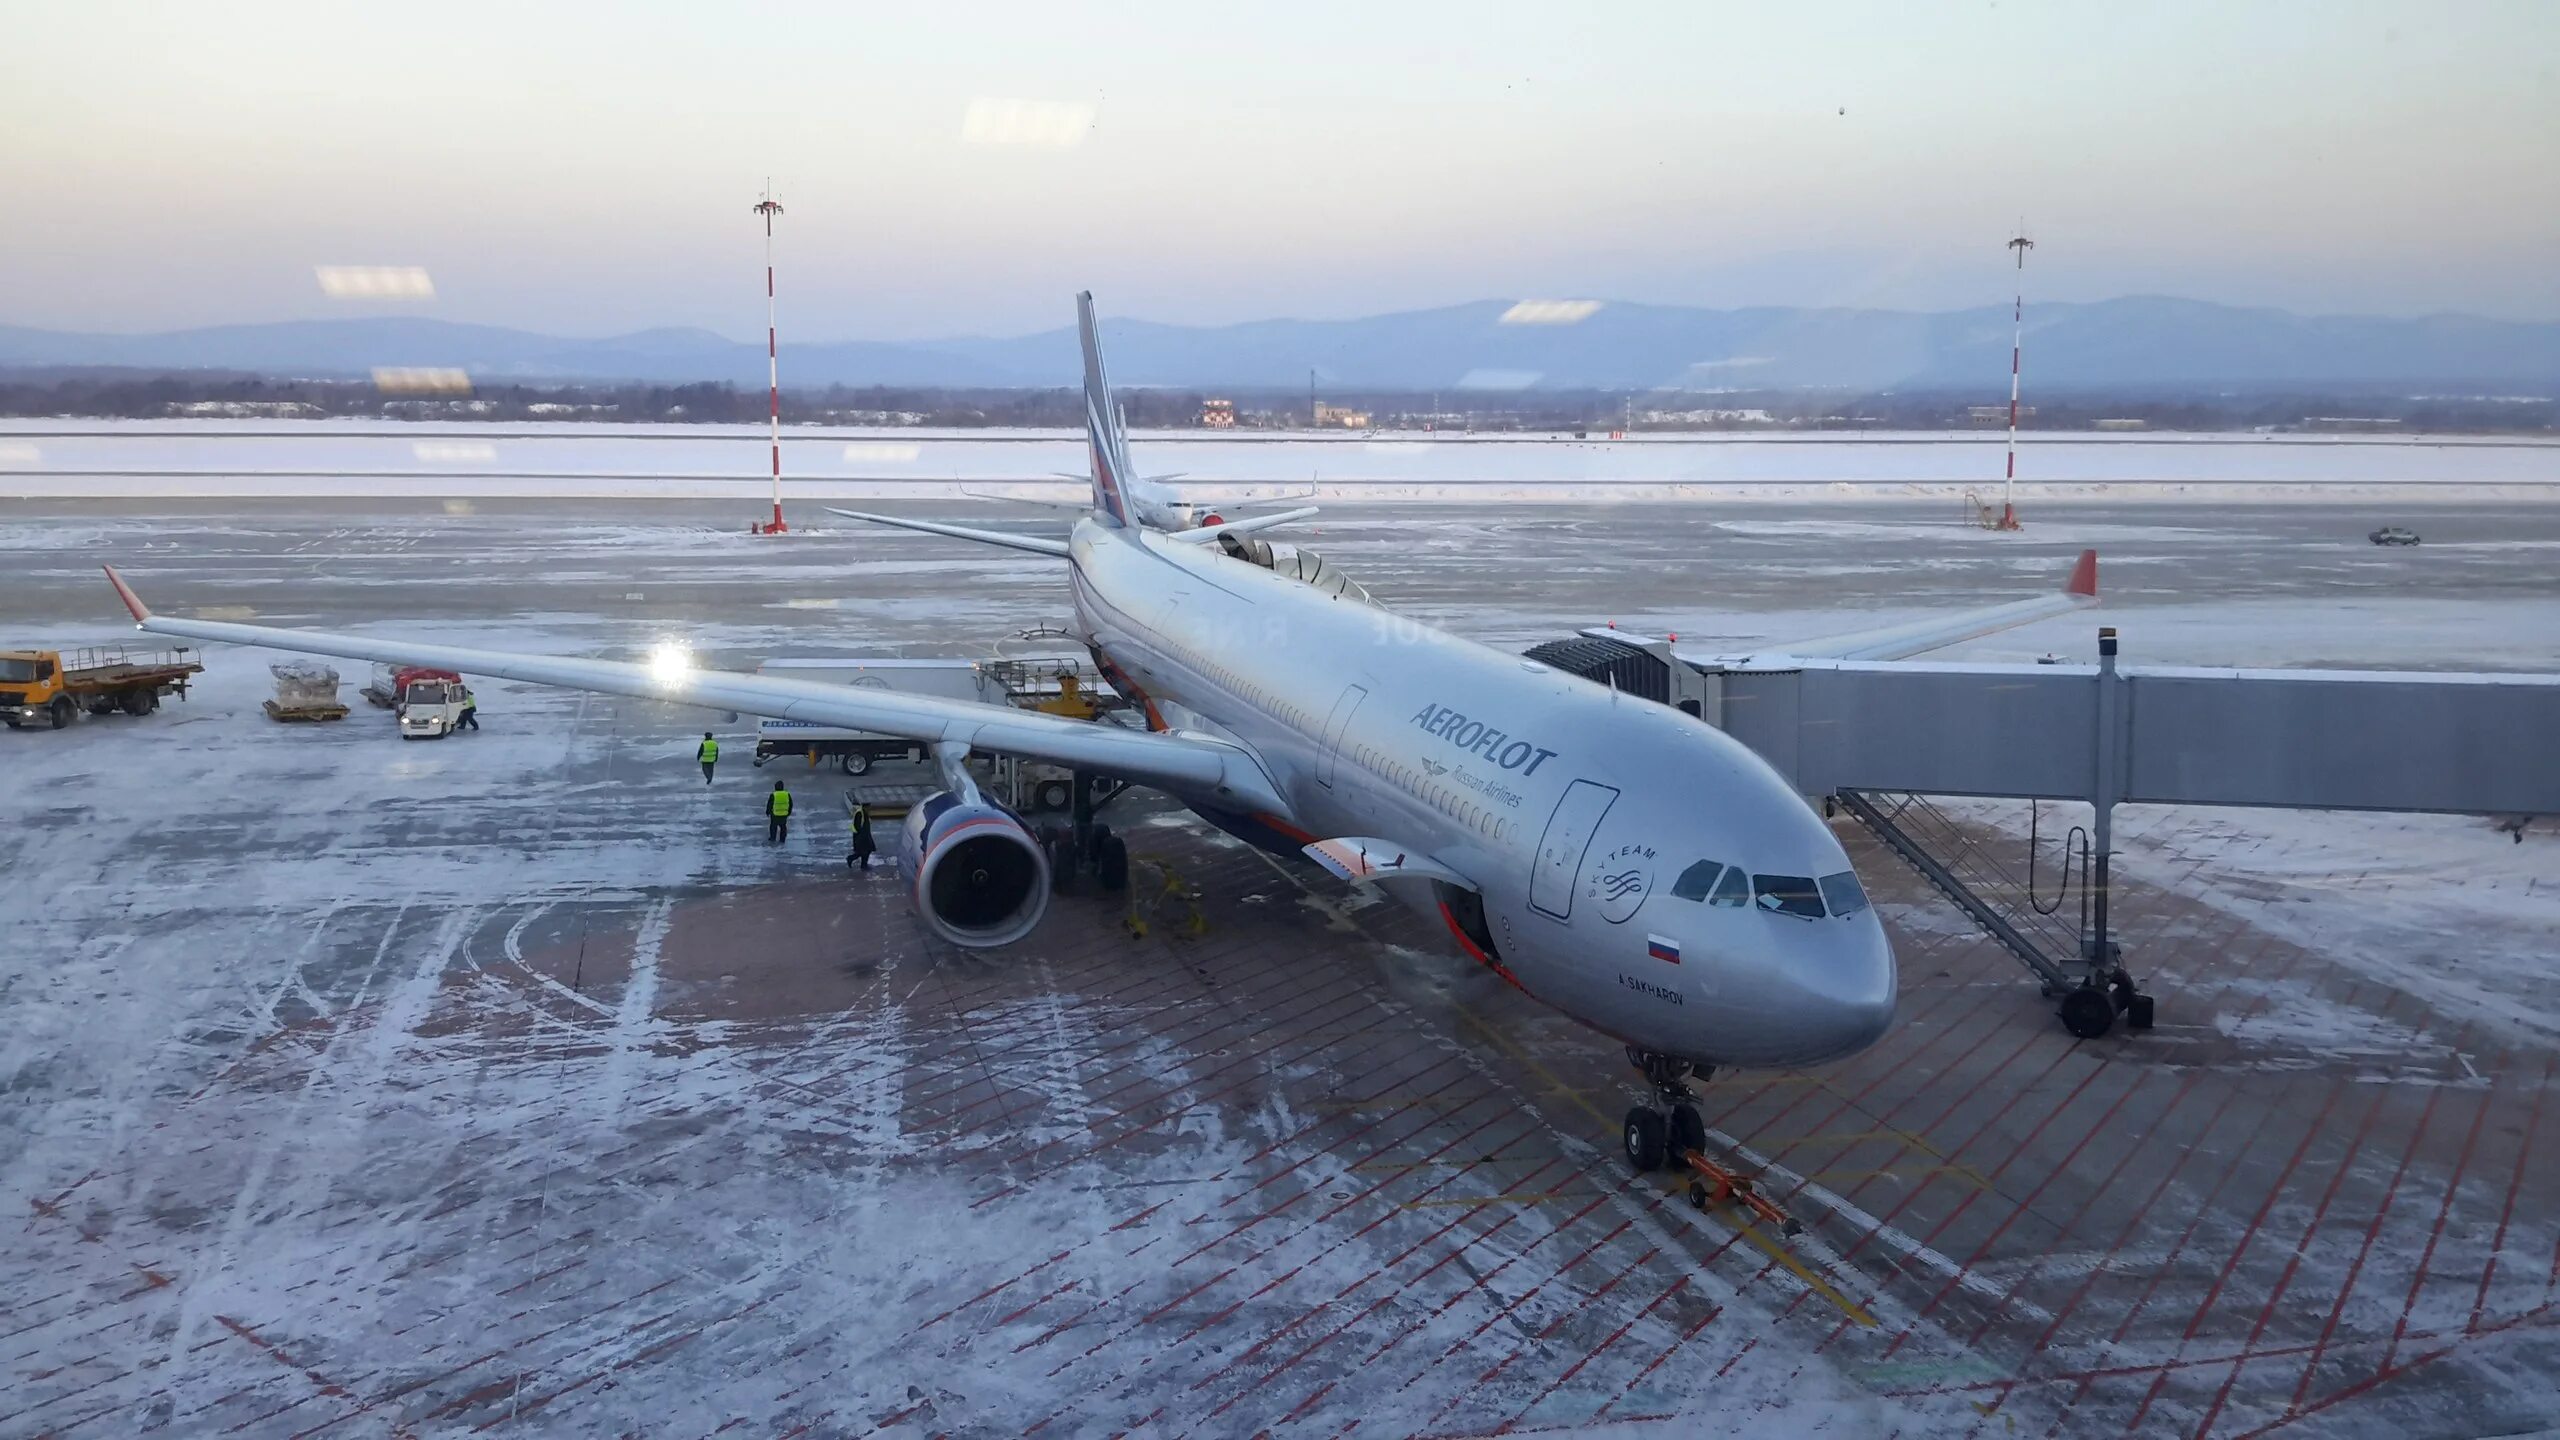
1877 735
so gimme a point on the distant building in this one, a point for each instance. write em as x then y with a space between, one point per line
2349 422
1218 414
2122 424
1344 416
1995 414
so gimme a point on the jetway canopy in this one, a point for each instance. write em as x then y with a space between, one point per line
2307 739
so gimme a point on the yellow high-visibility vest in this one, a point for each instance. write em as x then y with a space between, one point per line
779 804
707 751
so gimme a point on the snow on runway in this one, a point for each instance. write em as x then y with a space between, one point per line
240 460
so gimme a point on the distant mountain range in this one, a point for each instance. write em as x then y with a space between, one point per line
2142 343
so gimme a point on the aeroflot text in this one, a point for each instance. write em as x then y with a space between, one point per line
1476 737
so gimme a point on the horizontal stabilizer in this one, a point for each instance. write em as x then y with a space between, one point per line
1042 502
1900 642
1202 535
1033 543
1364 860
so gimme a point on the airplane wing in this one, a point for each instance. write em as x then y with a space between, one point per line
1203 534
1900 642
1033 543
1184 763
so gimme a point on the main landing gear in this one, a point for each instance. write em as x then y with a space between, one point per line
1670 1131
1086 844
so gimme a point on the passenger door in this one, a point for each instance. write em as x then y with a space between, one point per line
1569 831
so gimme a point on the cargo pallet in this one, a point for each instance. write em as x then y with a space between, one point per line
292 713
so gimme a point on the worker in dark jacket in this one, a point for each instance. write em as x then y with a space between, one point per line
708 752
863 847
777 815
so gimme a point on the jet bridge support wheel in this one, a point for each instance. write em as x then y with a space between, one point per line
2088 1012
2128 1001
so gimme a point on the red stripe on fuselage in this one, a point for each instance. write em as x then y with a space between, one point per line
1467 943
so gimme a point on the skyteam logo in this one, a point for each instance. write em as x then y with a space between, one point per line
1619 881
1480 739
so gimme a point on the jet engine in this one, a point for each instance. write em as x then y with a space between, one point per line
978 878
1302 565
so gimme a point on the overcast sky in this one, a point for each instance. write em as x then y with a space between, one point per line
964 168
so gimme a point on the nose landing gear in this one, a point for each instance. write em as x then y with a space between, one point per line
1671 1132
1670 1129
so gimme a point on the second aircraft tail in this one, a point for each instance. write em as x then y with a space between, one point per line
1105 441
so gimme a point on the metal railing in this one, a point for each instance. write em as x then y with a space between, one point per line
1957 862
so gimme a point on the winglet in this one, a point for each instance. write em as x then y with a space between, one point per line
2084 576
124 592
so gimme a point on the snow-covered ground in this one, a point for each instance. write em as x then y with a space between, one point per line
336 1065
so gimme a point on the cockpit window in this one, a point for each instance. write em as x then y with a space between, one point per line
1843 893
1696 881
1733 891
1788 895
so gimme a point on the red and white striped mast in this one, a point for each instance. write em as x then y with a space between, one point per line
768 207
2017 343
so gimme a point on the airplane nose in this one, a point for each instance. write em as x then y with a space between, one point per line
1874 989
1852 986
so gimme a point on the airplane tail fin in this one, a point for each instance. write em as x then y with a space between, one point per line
1104 439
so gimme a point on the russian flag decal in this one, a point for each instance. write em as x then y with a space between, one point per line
1662 947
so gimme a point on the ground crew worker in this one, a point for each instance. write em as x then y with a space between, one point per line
860 858
708 752
777 815
470 711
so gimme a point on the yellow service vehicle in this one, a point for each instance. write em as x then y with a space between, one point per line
49 686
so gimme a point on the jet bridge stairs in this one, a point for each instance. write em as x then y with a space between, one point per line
2051 942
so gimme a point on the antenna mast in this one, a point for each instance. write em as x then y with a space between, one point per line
768 207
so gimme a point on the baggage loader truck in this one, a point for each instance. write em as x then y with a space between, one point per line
856 751
50 686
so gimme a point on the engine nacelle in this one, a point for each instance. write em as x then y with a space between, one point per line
976 876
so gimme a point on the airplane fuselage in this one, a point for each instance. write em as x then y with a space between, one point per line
1578 813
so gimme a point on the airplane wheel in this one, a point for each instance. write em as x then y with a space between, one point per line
1052 795
1061 847
1688 1132
1112 866
2088 1013
1644 1139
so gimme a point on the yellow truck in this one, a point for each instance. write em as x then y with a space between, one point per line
51 686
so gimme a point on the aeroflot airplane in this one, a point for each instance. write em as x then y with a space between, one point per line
1625 863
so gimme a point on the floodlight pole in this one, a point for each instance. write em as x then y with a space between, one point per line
768 207
2017 344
